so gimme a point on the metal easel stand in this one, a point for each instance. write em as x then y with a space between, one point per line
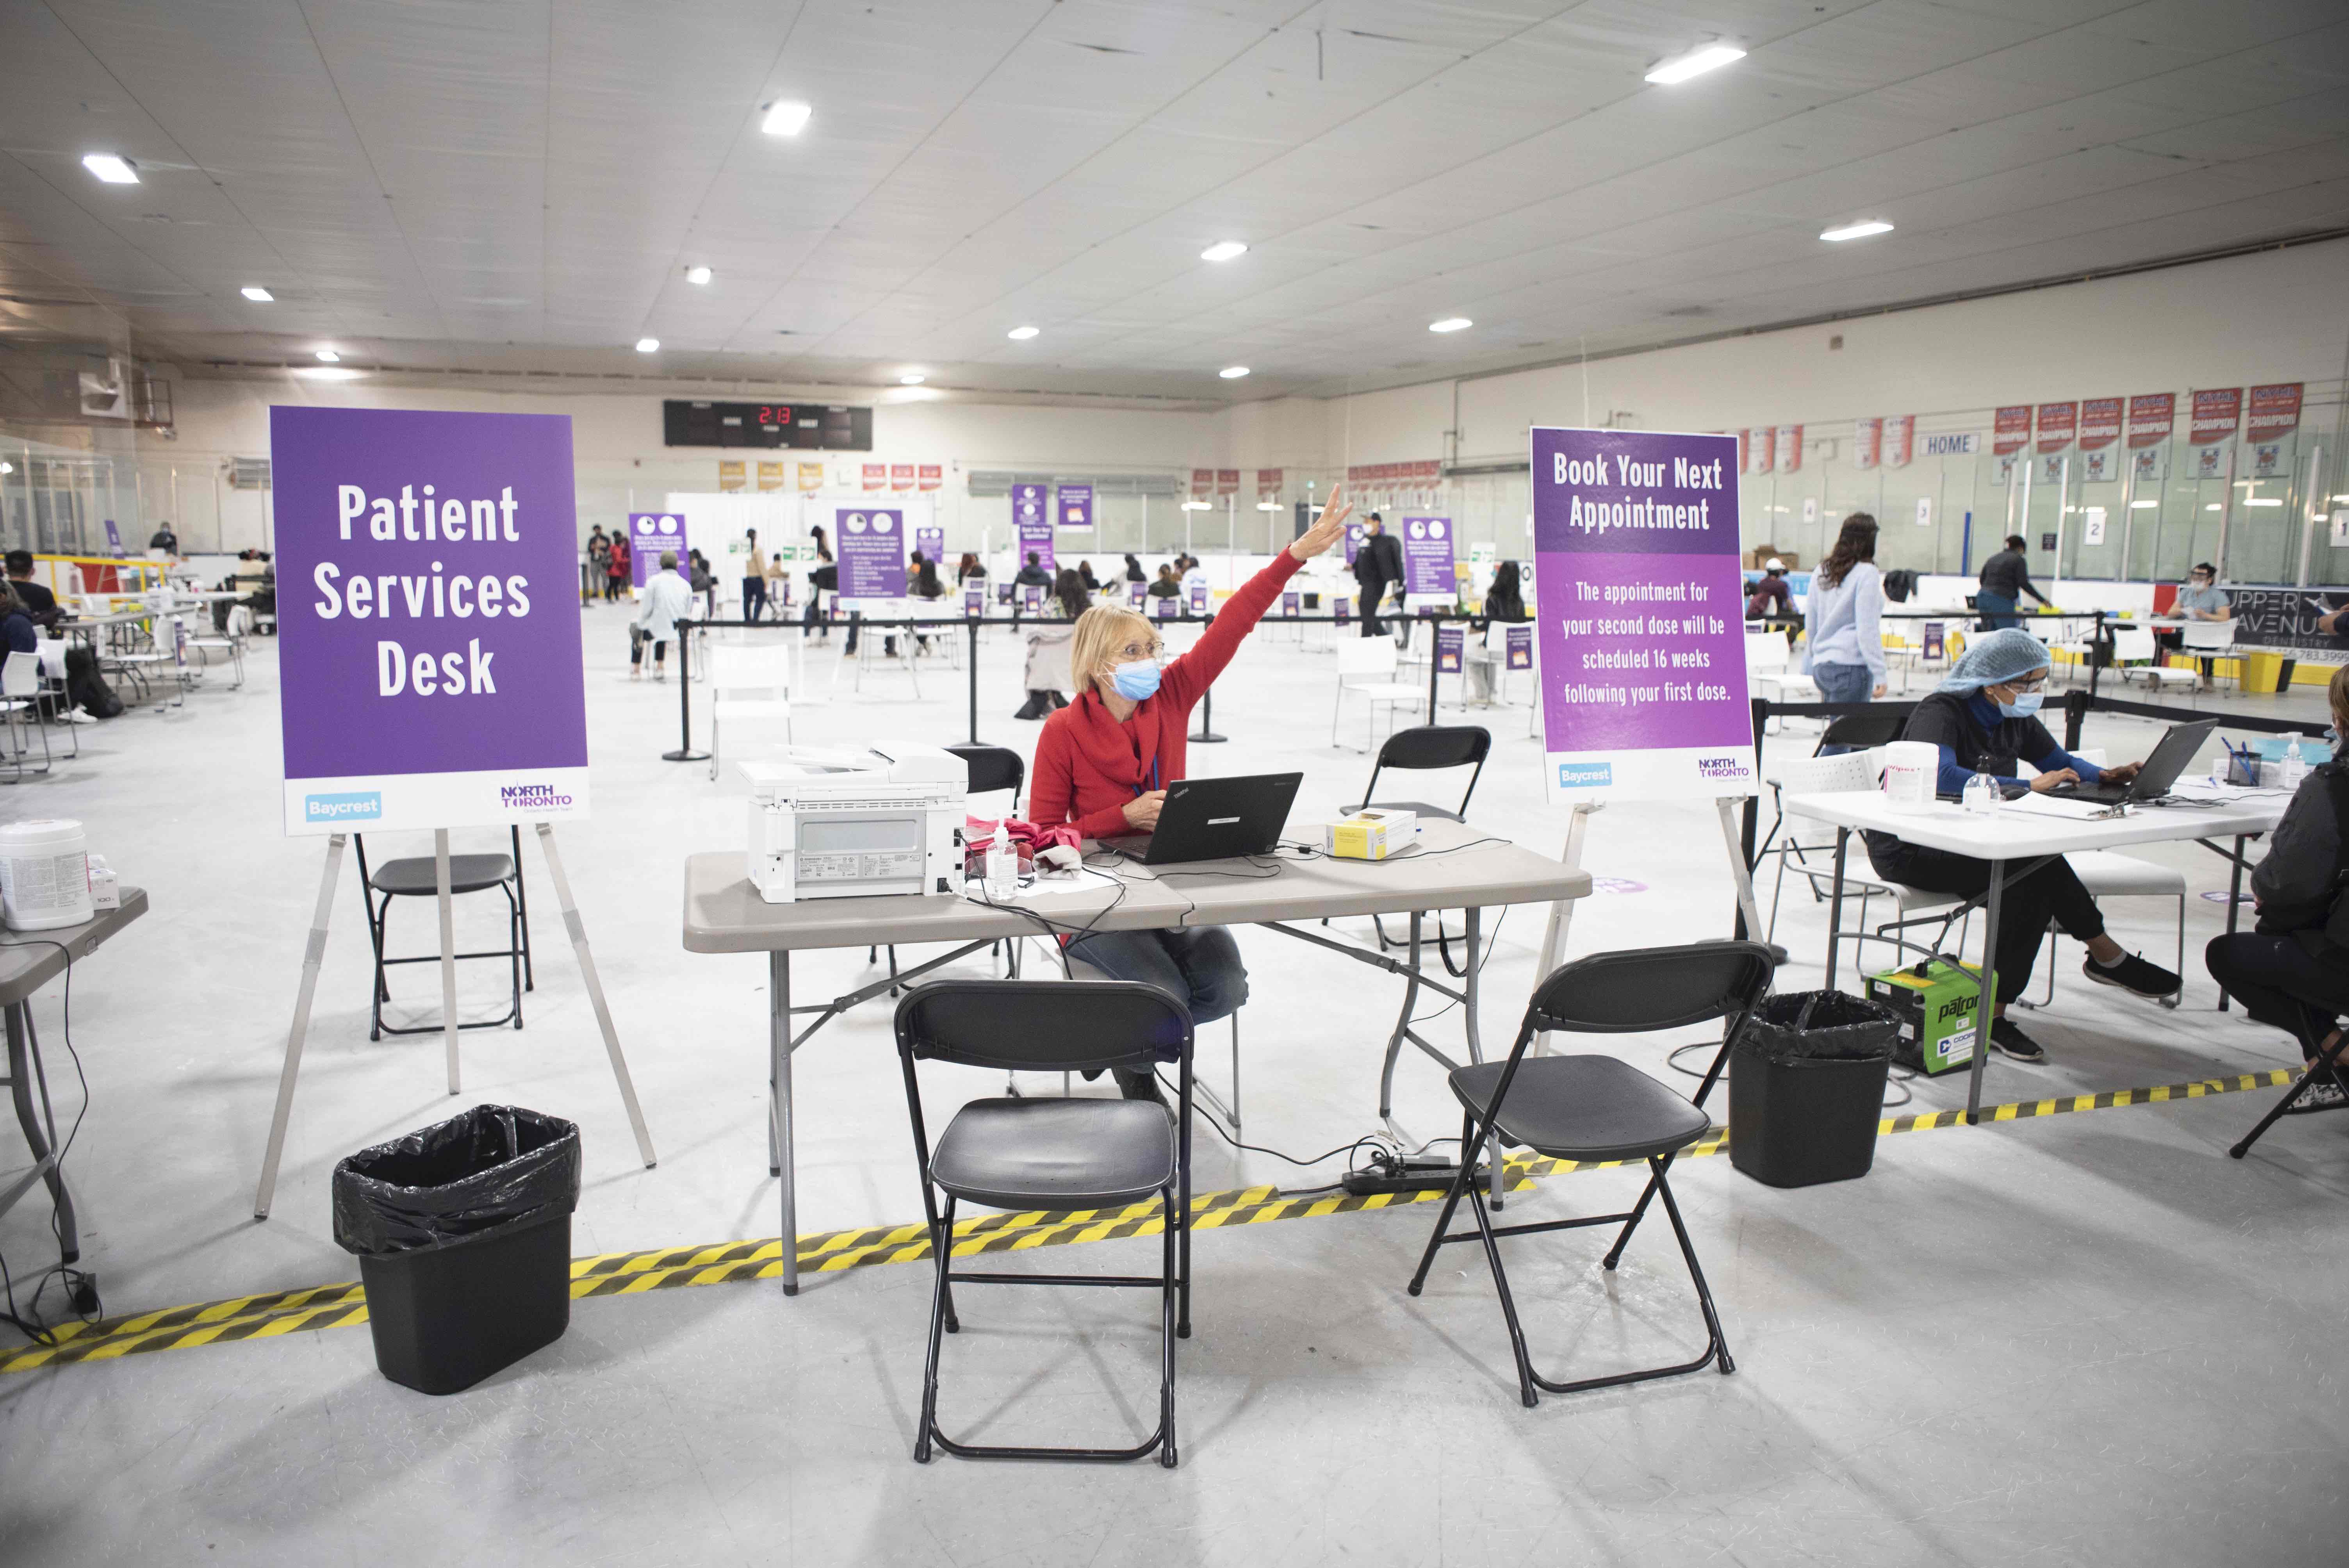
315 952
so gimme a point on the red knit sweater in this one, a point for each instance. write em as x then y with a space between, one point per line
1089 764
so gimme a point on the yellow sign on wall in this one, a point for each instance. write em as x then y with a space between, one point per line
771 476
811 475
730 474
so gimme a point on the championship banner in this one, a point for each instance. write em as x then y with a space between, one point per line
1866 443
1900 441
2215 415
2010 431
2058 422
876 476
811 477
1427 558
771 476
932 475
2100 422
1076 506
430 675
1267 484
1203 483
1640 613
1227 481
1518 648
901 476
2272 416
730 474
872 546
1790 448
1755 449
1449 642
649 533
2151 416
932 543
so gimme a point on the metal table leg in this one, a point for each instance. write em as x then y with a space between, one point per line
23 1076
1477 1045
1835 903
2234 891
779 1071
1985 992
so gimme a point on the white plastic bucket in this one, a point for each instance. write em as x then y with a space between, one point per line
44 875
1910 769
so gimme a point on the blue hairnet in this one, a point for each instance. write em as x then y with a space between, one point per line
1994 659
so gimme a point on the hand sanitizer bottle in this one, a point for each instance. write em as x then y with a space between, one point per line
1002 866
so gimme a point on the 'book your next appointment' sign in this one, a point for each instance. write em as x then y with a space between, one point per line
1640 610
431 655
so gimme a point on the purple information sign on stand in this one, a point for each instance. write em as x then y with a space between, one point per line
430 675
973 601
931 542
113 540
1427 557
1354 537
1076 506
649 533
872 546
1198 598
1133 592
1449 641
1641 616
1290 603
1341 609
1520 648
1032 527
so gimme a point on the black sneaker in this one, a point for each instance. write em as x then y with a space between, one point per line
2316 1097
2133 974
2014 1042
1139 1086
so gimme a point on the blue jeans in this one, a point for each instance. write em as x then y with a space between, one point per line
1843 682
1199 967
1997 612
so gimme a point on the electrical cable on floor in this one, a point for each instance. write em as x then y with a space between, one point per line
80 1285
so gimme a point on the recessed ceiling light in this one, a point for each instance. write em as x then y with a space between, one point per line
328 356
2142 505
698 276
785 117
2263 500
329 373
1223 250
648 345
112 170
1860 230
255 293
1695 63
911 380
1450 324
1233 372
1022 333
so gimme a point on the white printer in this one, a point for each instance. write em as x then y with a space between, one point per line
839 822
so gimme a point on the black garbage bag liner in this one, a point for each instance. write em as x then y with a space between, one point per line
493 1167
1816 1025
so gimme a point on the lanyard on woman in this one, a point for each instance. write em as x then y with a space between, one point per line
1138 791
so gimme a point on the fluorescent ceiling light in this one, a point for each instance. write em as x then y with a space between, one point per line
255 293
2142 505
1450 324
1233 372
329 373
2213 507
1695 63
328 356
112 170
1223 250
785 117
648 345
911 380
1267 506
1860 230
698 276
7 468
1022 333
1195 506
2263 500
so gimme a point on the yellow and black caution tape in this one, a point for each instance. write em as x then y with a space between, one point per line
668 1268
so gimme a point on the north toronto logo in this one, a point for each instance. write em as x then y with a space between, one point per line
1722 768
532 798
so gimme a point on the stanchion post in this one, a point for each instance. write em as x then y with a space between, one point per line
685 751
1436 661
1207 735
971 623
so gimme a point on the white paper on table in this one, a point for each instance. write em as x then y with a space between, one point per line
1047 890
2037 804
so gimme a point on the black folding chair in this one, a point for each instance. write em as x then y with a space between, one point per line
1429 747
1880 725
1597 1107
2326 1067
1053 1154
417 876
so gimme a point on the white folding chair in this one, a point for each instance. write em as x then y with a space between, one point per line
20 700
748 681
1366 668
1769 672
2134 653
2208 641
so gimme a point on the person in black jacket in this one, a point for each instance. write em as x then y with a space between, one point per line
1133 571
2005 577
2292 970
1377 566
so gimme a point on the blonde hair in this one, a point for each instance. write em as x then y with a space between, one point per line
1099 632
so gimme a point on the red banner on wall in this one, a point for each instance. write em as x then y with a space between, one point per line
2150 418
1756 450
2012 430
1267 484
1203 483
1227 481
933 475
901 476
1899 439
2100 422
2058 423
2275 411
1866 443
876 476
1425 471
2216 414
1790 449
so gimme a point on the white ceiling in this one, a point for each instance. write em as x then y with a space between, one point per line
512 185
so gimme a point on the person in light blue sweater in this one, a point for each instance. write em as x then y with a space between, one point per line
1844 622
1984 719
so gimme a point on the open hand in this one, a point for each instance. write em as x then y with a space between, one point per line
1328 529
1142 811
2046 781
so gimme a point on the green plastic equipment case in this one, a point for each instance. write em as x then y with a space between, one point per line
1936 1003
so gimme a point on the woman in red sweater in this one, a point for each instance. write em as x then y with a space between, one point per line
1103 762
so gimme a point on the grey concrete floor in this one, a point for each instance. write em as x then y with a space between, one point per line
2086 1338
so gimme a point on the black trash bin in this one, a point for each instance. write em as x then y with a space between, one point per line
464 1235
1806 1088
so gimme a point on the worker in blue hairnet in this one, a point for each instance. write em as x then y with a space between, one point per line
1985 719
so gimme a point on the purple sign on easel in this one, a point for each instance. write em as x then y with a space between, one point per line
1341 609
1133 592
1449 641
871 547
1198 598
649 533
1354 537
1427 556
430 675
1520 648
1032 528
1290 603
932 543
1076 506
1639 611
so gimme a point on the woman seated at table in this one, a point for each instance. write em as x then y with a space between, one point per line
1103 762
1983 718
2292 970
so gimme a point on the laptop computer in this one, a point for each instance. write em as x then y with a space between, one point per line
1212 819
2168 760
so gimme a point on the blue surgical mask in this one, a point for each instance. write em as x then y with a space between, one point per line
2022 706
1137 680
